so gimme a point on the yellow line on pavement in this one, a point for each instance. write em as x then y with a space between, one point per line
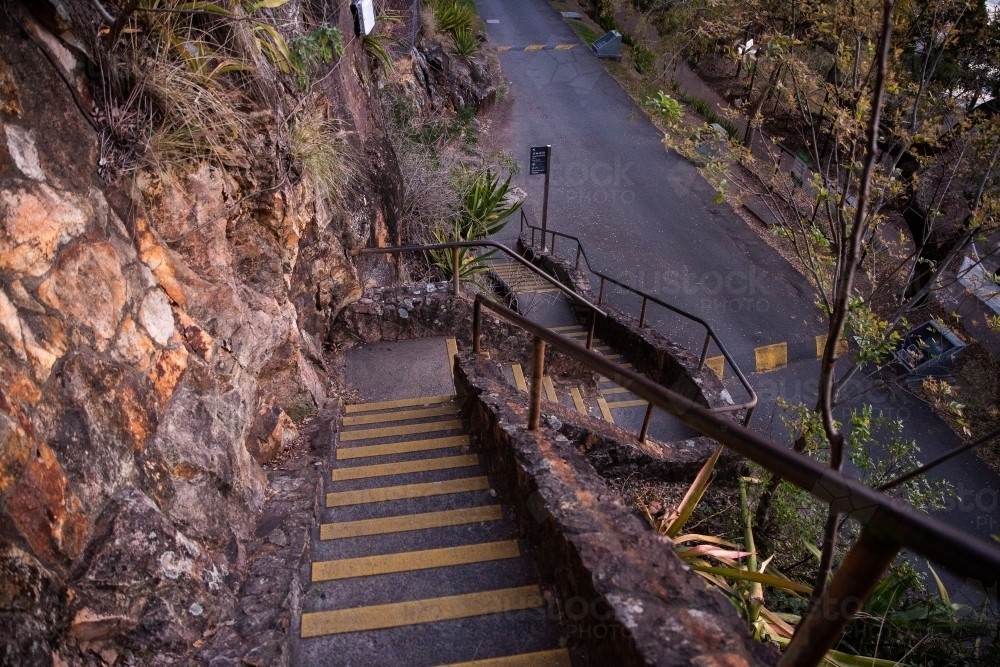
405 467
534 47
519 378
408 429
576 334
615 390
398 403
408 522
406 447
550 390
821 346
564 47
557 657
605 412
382 493
570 327
503 48
628 404
717 364
403 415
420 611
369 566
770 357
578 400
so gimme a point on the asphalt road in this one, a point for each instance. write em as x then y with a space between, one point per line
647 216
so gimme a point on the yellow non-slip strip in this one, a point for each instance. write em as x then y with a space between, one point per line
403 415
368 566
717 364
398 403
615 390
769 357
558 657
578 400
405 491
409 429
405 467
420 611
534 47
627 404
576 334
519 378
550 390
408 522
564 47
406 447
570 327
821 346
605 412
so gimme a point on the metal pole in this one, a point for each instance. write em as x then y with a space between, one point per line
455 271
642 314
704 350
537 369
748 417
477 310
545 198
600 294
645 422
590 331
532 238
552 249
827 617
578 249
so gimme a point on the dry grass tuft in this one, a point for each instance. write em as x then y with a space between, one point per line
319 148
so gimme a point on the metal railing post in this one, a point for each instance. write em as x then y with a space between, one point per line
532 238
552 248
645 422
477 310
579 247
590 329
455 271
537 370
642 313
600 294
704 350
826 618
748 416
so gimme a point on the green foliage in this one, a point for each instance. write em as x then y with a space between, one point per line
586 33
453 15
466 42
708 113
668 108
320 151
313 48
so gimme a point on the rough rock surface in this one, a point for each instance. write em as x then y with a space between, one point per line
160 339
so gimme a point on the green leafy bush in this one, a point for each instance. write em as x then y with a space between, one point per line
313 48
668 108
708 113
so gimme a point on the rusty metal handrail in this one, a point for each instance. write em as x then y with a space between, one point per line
888 524
710 335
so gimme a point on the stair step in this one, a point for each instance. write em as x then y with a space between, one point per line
405 467
403 415
570 327
409 429
412 612
406 491
405 447
398 403
408 522
628 404
555 658
367 566
615 390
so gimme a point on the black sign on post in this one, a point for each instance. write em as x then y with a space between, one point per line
541 163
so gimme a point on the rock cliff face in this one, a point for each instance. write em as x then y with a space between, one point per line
159 339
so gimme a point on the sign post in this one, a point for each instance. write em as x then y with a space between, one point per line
541 163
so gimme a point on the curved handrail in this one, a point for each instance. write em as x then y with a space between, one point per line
889 524
710 335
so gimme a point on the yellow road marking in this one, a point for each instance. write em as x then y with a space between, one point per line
534 47
503 48
558 657
821 345
402 447
369 566
612 357
404 467
717 364
420 611
628 404
605 412
405 491
398 403
615 390
550 390
403 415
385 431
564 47
770 357
602 348
407 522
519 378
578 400
569 327
452 345
576 334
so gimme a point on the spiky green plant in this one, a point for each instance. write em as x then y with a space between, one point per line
452 15
466 42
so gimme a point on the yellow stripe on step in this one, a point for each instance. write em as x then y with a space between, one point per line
550 390
403 415
578 400
717 364
605 412
519 378
406 447
570 327
405 491
368 566
405 467
409 429
615 390
558 657
398 403
420 611
627 404
408 522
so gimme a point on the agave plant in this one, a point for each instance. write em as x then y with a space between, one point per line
466 42
454 15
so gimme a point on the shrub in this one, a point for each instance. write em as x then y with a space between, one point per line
317 146
453 16
466 42
668 108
